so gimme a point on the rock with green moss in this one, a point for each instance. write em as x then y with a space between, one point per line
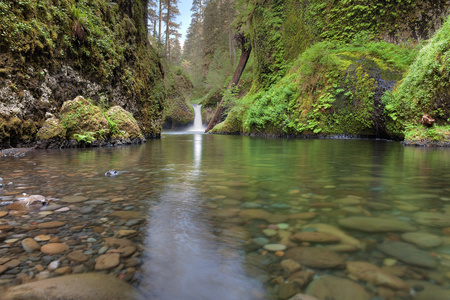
51 134
124 127
84 121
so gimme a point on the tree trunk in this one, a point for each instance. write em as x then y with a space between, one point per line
245 54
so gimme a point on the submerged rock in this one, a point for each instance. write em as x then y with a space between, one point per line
315 257
408 254
336 288
371 224
88 286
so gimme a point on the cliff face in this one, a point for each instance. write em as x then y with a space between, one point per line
332 67
54 50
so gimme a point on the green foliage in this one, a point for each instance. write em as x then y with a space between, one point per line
88 137
426 87
419 133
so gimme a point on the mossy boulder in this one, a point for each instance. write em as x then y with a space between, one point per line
123 124
51 130
83 120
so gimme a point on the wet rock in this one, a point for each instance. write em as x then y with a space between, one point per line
30 245
422 239
303 216
290 266
74 199
344 238
88 286
408 253
274 247
49 225
254 214
107 261
336 288
127 215
3 214
427 291
77 256
375 275
371 224
126 232
432 219
315 257
314 237
54 248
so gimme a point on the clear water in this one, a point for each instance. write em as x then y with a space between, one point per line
193 188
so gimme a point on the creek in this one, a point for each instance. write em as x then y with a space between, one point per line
211 203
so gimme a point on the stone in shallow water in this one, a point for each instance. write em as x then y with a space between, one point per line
88 286
422 239
49 225
54 248
275 247
73 199
315 237
107 261
260 241
408 253
127 215
336 288
432 219
30 245
371 224
315 257
373 274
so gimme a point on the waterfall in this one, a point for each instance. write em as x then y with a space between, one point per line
198 125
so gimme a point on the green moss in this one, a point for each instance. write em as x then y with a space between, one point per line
52 129
79 117
122 124
426 87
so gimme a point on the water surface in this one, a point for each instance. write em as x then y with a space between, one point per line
193 189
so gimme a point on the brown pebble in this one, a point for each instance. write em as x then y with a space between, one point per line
107 261
54 248
63 270
77 256
47 225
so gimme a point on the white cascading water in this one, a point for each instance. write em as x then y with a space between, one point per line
198 125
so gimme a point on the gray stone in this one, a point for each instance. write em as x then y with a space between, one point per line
408 253
422 239
371 224
432 219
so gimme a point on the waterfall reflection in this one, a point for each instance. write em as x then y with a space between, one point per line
184 258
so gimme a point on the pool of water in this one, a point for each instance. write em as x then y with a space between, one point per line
213 203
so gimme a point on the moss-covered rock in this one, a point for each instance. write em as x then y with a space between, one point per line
123 125
52 129
83 120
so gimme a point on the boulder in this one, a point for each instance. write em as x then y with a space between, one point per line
408 253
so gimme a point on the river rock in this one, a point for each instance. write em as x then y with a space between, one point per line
325 228
371 224
290 266
432 219
254 213
73 199
127 214
54 248
77 256
373 274
336 288
429 291
303 216
315 257
3 213
274 247
422 239
107 261
30 245
408 254
49 225
88 286
314 237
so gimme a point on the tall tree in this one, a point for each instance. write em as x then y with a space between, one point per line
172 12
